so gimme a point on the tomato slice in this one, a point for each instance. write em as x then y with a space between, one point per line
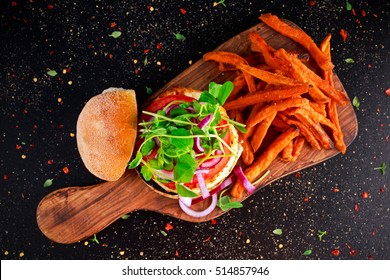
163 101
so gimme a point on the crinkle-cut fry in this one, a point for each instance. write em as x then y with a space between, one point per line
266 96
269 77
276 107
260 132
287 151
306 132
298 67
338 135
265 159
233 59
298 144
300 37
315 127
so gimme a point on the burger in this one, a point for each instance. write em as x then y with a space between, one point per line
183 141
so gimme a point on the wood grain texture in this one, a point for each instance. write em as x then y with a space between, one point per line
75 213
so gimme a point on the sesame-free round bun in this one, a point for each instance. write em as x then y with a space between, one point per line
106 132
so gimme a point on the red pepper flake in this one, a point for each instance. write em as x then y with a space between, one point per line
50 161
113 24
370 257
65 170
159 46
60 126
146 51
136 71
353 253
382 190
213 221
306 199
183 11
168 227
387 91
373 233
14 3
356 207
176 253
344 34
110 55
5 177
297 175
18 147
335 252
207 239
364 13
312 3
51 52
365 195
50 7
353 12
335 189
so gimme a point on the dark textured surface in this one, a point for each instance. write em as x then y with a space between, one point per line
38 115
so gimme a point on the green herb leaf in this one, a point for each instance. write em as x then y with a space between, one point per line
148 147
149 91
52 73
94 239
321 234
356 103
307 252
146 173
348 6
179 36
208 97
182 142
382 168
115 34
221 2
277 231
48 183
146 61
184 191
349 60
125 217
184 169
225 203
136 161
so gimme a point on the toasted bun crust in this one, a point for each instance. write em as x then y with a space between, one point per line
106 132
235 144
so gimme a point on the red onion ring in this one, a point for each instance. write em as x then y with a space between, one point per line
217 189
202 184
241 176
205 121
198 214
198 147
212 162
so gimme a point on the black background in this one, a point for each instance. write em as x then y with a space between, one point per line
38 116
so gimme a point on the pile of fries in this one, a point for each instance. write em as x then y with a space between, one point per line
283 103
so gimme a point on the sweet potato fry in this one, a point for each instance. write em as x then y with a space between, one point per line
265 159
247 155
266 96
238 84
269 77
233 59
325 48
305 131
279 123
298 144
338 135
287 151
261 131
300 37
275 107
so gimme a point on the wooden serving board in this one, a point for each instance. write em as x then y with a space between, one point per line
74 213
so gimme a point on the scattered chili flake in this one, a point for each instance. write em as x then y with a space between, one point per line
336 190
50 7
373 233
356 207
51 52
5 177
14 3
213 221
18 147
113 24
335 252
146 51
176 253
65 170
382 190
365 195
353 12
364 13
312 3
168 227
207 239
50 161
183 11
344 34
370 257
306 199
387 91
297 175
159 46
353 252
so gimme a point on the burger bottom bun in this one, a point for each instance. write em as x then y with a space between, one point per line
106 132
